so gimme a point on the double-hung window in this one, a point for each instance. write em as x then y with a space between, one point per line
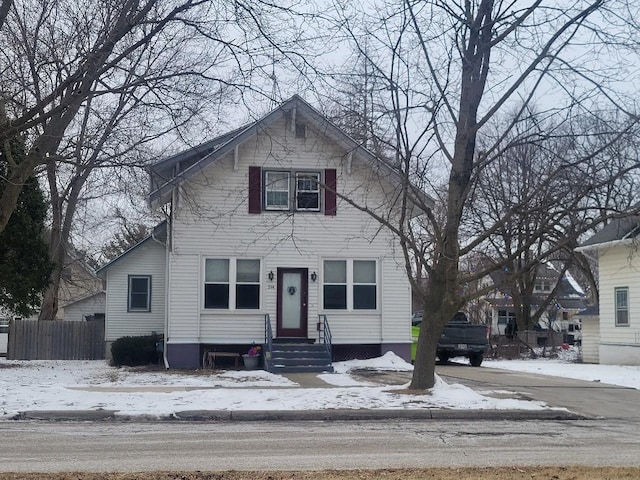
139 296
308 191
622 306
231 284
276 190
350 285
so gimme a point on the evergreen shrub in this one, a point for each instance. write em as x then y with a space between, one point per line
133 351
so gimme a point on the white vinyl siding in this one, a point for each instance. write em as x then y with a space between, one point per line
148 259
223 228
618 266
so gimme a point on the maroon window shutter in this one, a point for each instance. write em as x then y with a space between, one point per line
330 207
255 189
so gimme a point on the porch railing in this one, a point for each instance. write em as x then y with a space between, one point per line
324 333
268 342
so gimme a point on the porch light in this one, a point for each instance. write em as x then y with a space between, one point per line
314 276
270 275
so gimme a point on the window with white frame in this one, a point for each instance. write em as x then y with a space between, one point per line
276 190
350 285
335 284
504 316
308 191
279 185
622 306
232 284
139 293
364 285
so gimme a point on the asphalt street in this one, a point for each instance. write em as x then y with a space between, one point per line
605 433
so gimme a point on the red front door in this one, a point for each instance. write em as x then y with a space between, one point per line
292 302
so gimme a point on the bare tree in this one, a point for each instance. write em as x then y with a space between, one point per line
451 68
61 58
103 93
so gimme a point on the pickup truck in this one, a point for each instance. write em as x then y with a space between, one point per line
458 339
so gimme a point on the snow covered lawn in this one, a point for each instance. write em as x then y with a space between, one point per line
92 385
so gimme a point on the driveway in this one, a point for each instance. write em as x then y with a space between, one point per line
592 399
588 398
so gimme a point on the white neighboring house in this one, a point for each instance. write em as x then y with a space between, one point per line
87 307
616 248
136 289
258 237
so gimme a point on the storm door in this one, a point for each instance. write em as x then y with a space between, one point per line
292 302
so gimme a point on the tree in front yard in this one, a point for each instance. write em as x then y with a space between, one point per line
24 256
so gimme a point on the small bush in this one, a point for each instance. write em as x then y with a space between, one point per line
132 351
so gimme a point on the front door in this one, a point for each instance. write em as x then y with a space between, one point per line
292 302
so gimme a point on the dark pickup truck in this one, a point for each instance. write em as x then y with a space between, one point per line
458 339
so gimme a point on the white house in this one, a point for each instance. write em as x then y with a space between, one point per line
264 241
616 249
136 293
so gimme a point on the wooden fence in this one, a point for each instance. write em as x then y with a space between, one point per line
56 340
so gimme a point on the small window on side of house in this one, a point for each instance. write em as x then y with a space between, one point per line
139 297
622 306
301 130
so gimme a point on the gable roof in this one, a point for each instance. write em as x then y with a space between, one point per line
171 172
617 230
159 234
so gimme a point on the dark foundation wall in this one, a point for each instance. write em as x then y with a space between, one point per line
362 352
184 356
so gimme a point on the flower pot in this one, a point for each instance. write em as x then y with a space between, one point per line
250 361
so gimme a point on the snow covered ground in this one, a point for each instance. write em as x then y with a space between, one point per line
92 385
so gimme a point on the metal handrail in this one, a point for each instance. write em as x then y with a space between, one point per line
268 342
325 333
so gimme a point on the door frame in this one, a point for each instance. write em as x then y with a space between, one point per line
303 331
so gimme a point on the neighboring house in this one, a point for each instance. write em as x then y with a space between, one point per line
136 293
616 249
78 282
589 319
257 237
568 301
88 307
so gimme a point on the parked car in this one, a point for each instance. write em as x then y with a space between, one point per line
459 338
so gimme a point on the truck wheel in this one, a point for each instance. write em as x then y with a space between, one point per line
444 358
475 359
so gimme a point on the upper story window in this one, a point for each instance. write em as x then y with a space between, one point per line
139 297
622 306
279 185
542 286
276 190
292 190
308 191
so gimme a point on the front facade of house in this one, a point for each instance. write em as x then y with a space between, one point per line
258 237
618 334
